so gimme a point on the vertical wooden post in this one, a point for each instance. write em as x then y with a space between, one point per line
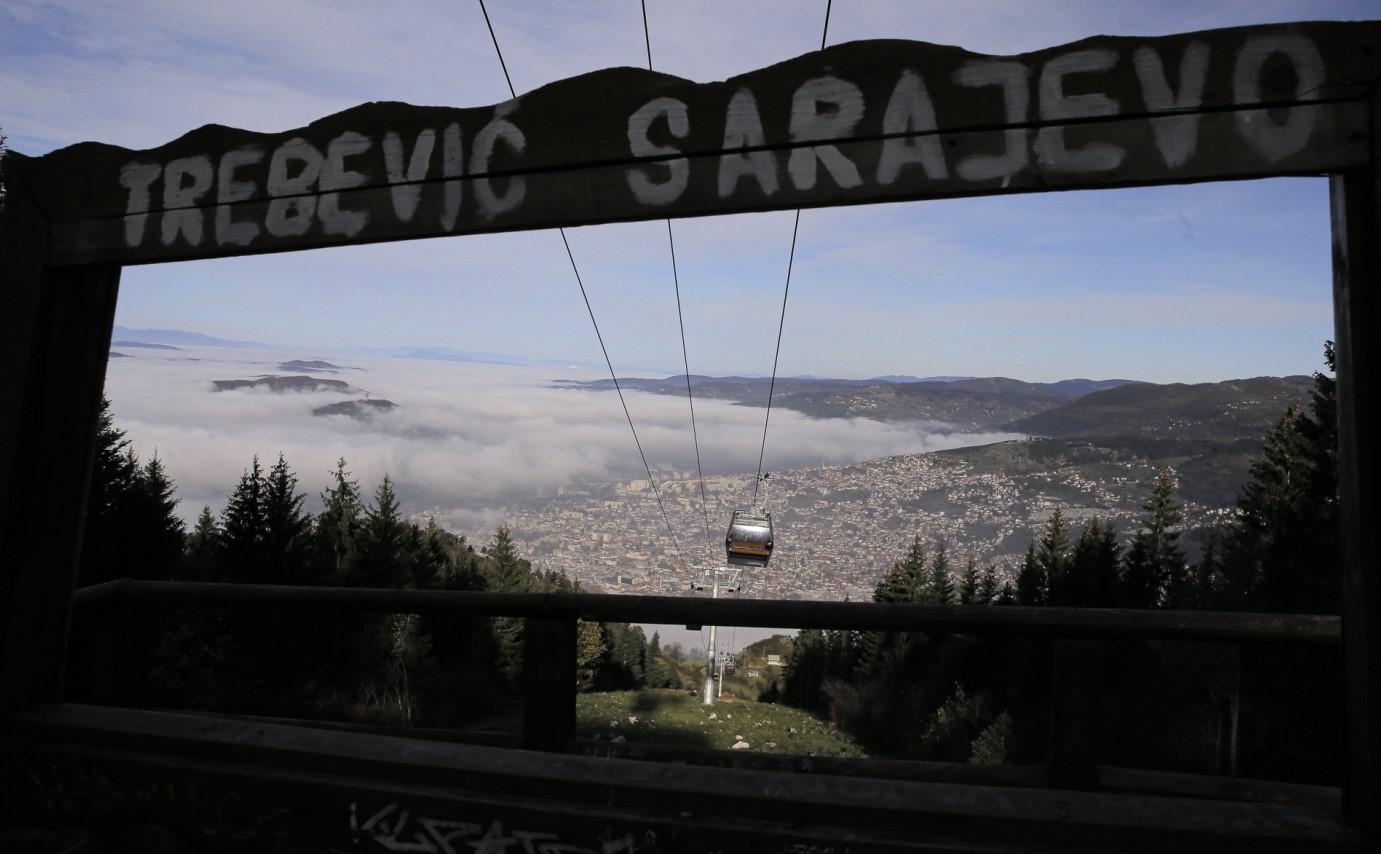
1356 206
1076 714
55 326
548 683
103 664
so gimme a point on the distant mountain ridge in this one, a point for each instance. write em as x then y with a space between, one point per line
310 366
143 345
907 378
1231 409
971 403
178 337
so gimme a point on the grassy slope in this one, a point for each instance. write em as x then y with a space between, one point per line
678 718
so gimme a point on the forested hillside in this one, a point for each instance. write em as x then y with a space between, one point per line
1229 410
346 666
1265 712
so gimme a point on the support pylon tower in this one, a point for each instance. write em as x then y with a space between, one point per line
715 579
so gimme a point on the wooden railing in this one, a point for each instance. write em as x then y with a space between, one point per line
1080 638
1011 620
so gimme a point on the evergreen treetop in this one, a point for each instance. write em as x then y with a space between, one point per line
939 587
1155 568
906 580
969 584
505 570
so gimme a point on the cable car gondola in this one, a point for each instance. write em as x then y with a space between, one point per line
749 541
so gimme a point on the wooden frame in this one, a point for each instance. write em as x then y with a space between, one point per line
855 123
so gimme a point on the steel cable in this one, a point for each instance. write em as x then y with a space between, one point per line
685 358
598 336
781 322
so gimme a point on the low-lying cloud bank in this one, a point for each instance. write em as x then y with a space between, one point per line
465 439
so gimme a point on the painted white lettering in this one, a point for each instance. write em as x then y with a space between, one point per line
185 180
334 177
137 178
1012 77
646 190
842 104
406 196
452 164
743 129
1056 106
910 110
1176 136
292 217
228 190
1271 139
491 204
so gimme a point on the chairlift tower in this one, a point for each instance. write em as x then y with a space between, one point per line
715 579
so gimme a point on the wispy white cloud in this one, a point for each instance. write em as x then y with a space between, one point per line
465 438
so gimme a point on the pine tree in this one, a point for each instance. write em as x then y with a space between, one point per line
1283 553
1093 568
1031 582
464 571
242 528
1052 558
939 587
106 538
1155 571
627 655
433 564
1206 586
286 528
805 670
1008 594
968 586
159 535
384 559
987 586
203 547
906 580
338 525
506 571
660 672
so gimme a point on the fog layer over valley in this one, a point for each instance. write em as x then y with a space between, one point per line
463 440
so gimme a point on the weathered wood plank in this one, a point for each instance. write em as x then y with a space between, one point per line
65 321
1356 205
1090 623
234 783
1110 778
23 244
1076 714
858 122
548 683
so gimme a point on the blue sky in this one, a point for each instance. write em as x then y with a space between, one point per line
1186 283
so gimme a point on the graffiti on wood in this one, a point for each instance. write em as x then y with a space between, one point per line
395 828
865 121
79 792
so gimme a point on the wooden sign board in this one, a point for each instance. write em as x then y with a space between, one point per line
860 122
